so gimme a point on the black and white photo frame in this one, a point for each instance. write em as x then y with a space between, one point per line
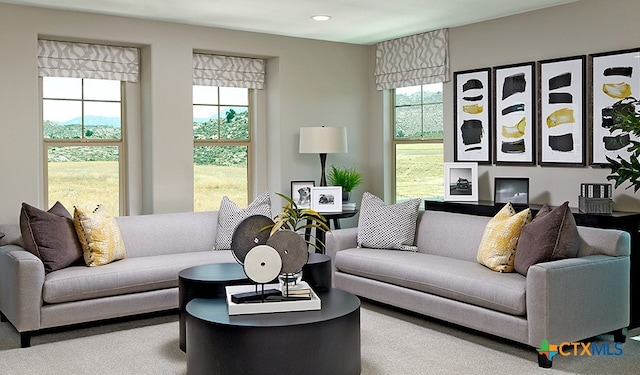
615 76
472 116
461 182
511 189
326 199
562 122
514 114
301 193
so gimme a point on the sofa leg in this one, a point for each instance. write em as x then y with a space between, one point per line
543 361
25 339
620 335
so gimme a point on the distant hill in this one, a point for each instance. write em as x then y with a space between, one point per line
95 120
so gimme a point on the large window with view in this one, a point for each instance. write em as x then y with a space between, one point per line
418 150
221 137
83 142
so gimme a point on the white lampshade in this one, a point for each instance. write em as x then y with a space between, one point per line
323 140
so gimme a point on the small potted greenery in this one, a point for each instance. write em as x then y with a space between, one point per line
627 119
297 219
348 178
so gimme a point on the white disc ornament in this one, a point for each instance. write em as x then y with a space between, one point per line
262 264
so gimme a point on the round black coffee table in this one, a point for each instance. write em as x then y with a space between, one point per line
206 281
325 341
210 280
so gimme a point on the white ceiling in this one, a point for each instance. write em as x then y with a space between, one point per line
353 21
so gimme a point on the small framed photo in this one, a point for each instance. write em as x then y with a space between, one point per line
326 198
301 193
461 181
511 189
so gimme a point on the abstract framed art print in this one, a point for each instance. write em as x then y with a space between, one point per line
514 114
472 116
562 124
615 77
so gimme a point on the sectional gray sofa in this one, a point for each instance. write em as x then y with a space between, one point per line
158 247
560 301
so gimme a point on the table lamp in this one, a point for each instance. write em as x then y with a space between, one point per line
323 140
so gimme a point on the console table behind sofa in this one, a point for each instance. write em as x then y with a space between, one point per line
626 221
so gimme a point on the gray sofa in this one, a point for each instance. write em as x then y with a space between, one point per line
563 300
158 247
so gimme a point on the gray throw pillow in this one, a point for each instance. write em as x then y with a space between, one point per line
383 226
50 235
230 215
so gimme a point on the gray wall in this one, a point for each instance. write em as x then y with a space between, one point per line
583 27
309 83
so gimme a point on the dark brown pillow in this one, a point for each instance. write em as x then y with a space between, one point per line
50 235
551 235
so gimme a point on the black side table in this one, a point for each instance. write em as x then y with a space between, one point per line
329 216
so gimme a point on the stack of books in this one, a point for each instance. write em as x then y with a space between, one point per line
298 290
348 207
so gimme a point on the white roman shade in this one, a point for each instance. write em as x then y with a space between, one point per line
227 71
413 60
82 60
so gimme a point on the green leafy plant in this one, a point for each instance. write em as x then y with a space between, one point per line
348 178
627 120
297 219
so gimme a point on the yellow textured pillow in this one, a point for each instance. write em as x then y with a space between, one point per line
497 248
99 236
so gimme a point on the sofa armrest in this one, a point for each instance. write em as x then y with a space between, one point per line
341 239
574 299
21 284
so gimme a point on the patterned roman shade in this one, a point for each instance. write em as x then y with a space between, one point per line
82 60
227 71
413 60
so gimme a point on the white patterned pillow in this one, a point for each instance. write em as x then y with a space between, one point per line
384 226
230 215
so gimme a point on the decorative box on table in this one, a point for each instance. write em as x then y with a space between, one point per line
595 205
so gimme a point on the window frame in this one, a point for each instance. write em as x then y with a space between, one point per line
123 207
248 142
408 141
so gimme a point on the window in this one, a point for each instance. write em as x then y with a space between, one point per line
221 145
83 140
418 148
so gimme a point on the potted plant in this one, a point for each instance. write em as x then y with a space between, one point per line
627 119
348 178
297 219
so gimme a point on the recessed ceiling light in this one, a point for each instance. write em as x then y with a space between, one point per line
321 17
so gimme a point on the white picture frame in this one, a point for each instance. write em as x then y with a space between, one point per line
461 182
301 193
326 198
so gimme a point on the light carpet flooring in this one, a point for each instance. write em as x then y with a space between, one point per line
393 342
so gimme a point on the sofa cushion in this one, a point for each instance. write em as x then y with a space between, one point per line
230 215
498 244
551 235
50 236
387 226
99 236
456 279
130 275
